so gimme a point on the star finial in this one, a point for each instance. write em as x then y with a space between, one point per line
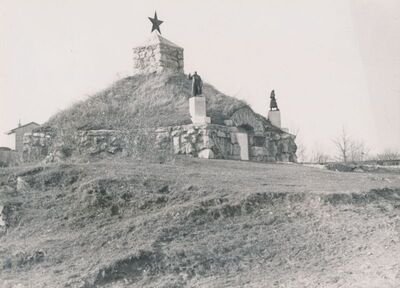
156 23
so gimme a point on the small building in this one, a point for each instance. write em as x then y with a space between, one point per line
19 134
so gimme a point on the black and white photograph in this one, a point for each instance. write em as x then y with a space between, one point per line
182 143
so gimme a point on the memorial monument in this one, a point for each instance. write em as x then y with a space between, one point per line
194 119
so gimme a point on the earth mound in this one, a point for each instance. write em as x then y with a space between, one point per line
153 99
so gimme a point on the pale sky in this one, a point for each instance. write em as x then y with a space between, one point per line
332 63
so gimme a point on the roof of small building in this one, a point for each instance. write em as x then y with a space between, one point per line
22 126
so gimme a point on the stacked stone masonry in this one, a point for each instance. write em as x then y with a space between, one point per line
204 141
47 146
37 146
157 59
98 141
220 142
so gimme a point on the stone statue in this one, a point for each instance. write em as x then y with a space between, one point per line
197 84
273 105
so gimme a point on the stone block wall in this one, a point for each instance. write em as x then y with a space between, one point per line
37 146
98 141
220 142
204 141
47 146
193 139
157 58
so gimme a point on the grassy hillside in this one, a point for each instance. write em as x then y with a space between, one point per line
196 223
154 100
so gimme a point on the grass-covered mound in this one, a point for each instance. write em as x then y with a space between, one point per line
143 100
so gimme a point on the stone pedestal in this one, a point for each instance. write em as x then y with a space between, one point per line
157 55
197 109
275 118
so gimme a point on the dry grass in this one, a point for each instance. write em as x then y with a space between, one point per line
196 223
161 99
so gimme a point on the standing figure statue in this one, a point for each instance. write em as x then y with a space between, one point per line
273 105
197 84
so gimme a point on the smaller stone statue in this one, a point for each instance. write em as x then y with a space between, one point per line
273 105
197 84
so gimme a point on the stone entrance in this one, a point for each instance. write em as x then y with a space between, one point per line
243 141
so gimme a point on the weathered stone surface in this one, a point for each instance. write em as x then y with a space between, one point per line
161 137
284 157
284 146
271 145
22 185
36 146
188 148
228 122
175 132
258 151
221 134
50 148
206 154
272 149
236 149
176 144
162 129
233 138
54 158
245 117
201 120
98 141
222 141
2 222
276 137
158 55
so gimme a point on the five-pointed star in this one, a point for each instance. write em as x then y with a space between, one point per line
156 23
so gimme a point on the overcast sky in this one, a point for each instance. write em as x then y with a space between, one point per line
332 63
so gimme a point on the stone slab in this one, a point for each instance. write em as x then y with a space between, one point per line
201 120
243 140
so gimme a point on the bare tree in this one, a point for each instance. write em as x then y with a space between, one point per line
301 153
358 151
319 157
349 149
389 154
342 143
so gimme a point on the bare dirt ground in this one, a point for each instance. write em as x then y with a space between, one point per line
196 223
